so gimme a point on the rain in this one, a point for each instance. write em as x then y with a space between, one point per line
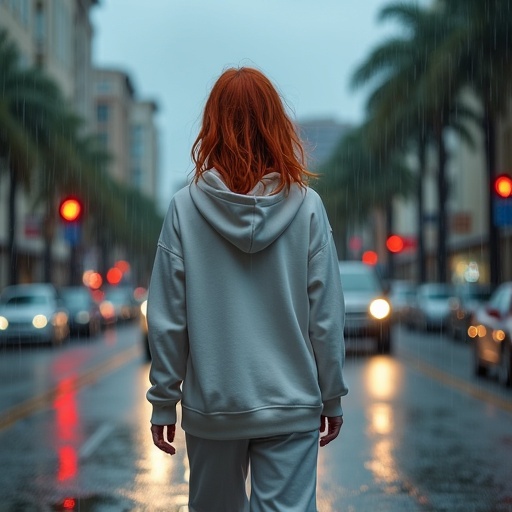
404 110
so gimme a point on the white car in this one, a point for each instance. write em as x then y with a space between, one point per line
430 309
32 313
367 309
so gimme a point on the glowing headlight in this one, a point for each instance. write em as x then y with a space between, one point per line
380 308
82 317
40 321
4 323
60 319
144 307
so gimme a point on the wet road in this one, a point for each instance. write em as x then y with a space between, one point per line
420 433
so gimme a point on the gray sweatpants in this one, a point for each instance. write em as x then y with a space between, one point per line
283 474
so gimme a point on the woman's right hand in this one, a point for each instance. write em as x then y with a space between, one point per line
333 425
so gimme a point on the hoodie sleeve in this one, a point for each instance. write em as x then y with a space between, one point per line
326 321
167 323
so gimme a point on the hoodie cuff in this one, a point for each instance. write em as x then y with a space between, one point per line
332 408
163 415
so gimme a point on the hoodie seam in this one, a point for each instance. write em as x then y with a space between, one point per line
313 256
170 251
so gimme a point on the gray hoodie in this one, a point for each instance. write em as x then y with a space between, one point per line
245 312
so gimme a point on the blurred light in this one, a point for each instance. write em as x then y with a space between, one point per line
472 331
4 323
381 379
139 293
481 330
68 463
144 308
355 243
498 335
82 317
60 319
380 308
39 321
381 418
86 277
70 209
69 504
395 243
107 310
472 272
503 186
370 258
95 281
98 296
123 266
114 276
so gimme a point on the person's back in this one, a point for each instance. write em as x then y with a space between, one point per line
245 309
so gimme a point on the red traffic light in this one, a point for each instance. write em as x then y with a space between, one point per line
370 258
503 186
70 209
395 243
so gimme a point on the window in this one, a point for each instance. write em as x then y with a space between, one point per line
102 113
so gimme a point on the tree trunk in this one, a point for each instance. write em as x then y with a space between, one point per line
422 265
12 221
442 231
494 235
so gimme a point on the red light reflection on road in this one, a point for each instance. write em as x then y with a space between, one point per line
66 429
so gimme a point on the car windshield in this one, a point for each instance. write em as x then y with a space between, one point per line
360 282
76 298
25 300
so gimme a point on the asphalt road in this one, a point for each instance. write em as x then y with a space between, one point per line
420 432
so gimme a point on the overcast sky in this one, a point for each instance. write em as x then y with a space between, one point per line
175 49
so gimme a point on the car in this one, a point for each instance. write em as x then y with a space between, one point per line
84 312
401 294
467 298
32 313
430 308
119 305
367 309
491 333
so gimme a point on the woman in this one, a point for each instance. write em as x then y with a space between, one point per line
246 311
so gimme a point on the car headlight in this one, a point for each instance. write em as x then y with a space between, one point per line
60 319
380 309
4 323
82 317
39 321
144 308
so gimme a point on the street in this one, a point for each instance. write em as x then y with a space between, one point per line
420 432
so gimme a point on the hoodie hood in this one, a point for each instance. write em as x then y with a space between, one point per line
250 221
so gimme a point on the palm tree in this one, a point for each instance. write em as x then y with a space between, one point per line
481 57
358 181
406 107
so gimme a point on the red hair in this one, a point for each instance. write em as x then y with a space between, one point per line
246 134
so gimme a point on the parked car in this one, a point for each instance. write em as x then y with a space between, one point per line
401 294
430 308
84 312
367 310
32 313
119 302
467 298
491 332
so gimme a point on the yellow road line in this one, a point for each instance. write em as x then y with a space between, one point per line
458 383
36 403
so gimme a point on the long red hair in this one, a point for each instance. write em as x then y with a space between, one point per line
246 134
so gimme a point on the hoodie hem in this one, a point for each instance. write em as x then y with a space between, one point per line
266 422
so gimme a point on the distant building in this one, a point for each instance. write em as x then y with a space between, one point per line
321 137
127 129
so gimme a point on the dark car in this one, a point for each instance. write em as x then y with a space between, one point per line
491 332
367 310
119 302
32 313
401 294
84 313
467 298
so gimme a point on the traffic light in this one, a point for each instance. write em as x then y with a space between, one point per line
395 243
70 209
503 186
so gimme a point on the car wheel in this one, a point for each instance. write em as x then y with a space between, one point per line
479 369
505 367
